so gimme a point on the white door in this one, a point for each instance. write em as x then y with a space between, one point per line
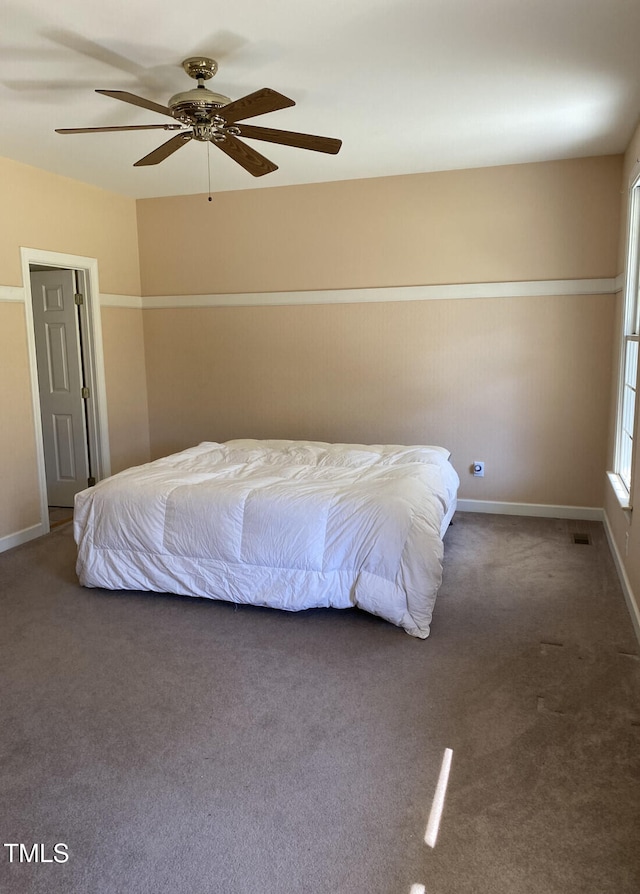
60 382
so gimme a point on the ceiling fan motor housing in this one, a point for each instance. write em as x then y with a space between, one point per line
198 103
197 108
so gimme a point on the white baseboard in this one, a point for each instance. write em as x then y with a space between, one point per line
20 537
537 510
630 599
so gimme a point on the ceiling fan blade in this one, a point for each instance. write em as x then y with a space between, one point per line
290 138
112 129
253 104
137 101
250 160
165 150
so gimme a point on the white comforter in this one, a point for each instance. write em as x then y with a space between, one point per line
288 524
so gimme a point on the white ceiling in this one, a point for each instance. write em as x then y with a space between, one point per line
408 85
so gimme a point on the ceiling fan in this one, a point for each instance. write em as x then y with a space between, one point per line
211 117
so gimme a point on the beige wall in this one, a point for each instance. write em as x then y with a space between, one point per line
557 220
20 504
45 211
509 381
125 374
51 213
626 534
521 383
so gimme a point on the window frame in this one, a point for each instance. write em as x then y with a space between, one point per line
623 483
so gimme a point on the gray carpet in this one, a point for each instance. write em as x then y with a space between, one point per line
185 746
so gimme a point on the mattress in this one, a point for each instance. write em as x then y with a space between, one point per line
288 524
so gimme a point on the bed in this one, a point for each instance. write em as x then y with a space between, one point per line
287 524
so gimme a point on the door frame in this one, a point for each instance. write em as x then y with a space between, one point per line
98 428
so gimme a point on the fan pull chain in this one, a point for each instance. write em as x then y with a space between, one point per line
209 167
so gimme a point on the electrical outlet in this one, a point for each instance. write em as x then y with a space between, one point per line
478 469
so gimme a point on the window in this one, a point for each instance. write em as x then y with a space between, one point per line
626 428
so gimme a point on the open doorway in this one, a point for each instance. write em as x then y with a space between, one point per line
67 378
